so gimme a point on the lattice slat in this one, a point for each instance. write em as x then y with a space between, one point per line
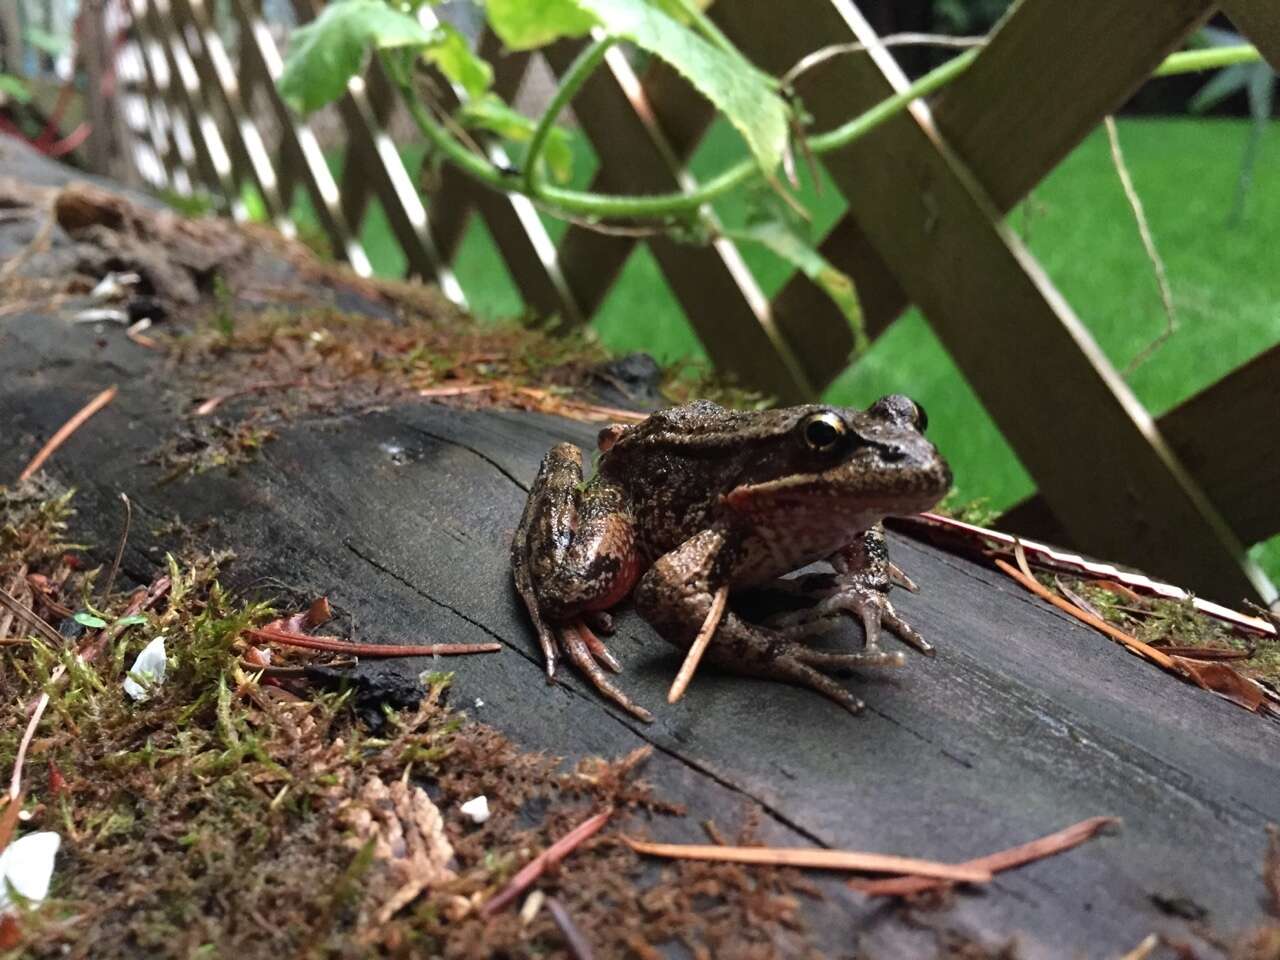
378 164
1020 109
160 130
1073 421
454 198
519 233
1259 20
250 157
204 140
1215 434
300 156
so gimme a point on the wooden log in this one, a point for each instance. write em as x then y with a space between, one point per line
1024 722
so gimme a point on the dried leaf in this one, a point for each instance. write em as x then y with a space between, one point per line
409 843
1225 682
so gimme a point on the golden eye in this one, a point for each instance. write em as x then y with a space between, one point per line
823 432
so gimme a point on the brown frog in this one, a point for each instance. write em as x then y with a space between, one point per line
696 498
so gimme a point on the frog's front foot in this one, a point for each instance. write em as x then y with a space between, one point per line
872 607
859 587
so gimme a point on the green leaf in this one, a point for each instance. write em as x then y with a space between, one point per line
742 93
558 152
130 621
745 95
525 24
327 52
796 249
490 113
453 55
46 42
14 88
88 620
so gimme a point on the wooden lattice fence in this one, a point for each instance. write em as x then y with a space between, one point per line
926 195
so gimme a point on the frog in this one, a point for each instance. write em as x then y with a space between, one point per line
698 500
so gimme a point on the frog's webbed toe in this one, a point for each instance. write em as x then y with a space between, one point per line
744 648
868 603
584 649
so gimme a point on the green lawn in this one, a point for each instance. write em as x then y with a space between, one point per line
1225 282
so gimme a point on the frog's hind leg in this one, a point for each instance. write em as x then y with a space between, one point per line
740 647
573 637
675 596
588 629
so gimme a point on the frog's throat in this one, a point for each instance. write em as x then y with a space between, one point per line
803 494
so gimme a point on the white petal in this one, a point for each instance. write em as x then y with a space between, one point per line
26 865
477 808
151 664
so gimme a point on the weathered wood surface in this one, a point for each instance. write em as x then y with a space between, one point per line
1026 721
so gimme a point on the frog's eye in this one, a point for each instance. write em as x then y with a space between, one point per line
922 418
902 410
824 432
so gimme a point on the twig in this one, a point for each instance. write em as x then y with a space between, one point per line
456 390
21 611
334 645
1143 949
699 645
15 784
594 410
1209 653
66 430
579 946
814 857
1047 846
1130 642
217 400
549 857
1215 678
124 537
1051 558
811 60
1148 243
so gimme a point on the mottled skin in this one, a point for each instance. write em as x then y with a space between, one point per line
697 498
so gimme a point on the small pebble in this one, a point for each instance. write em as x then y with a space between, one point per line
477 808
